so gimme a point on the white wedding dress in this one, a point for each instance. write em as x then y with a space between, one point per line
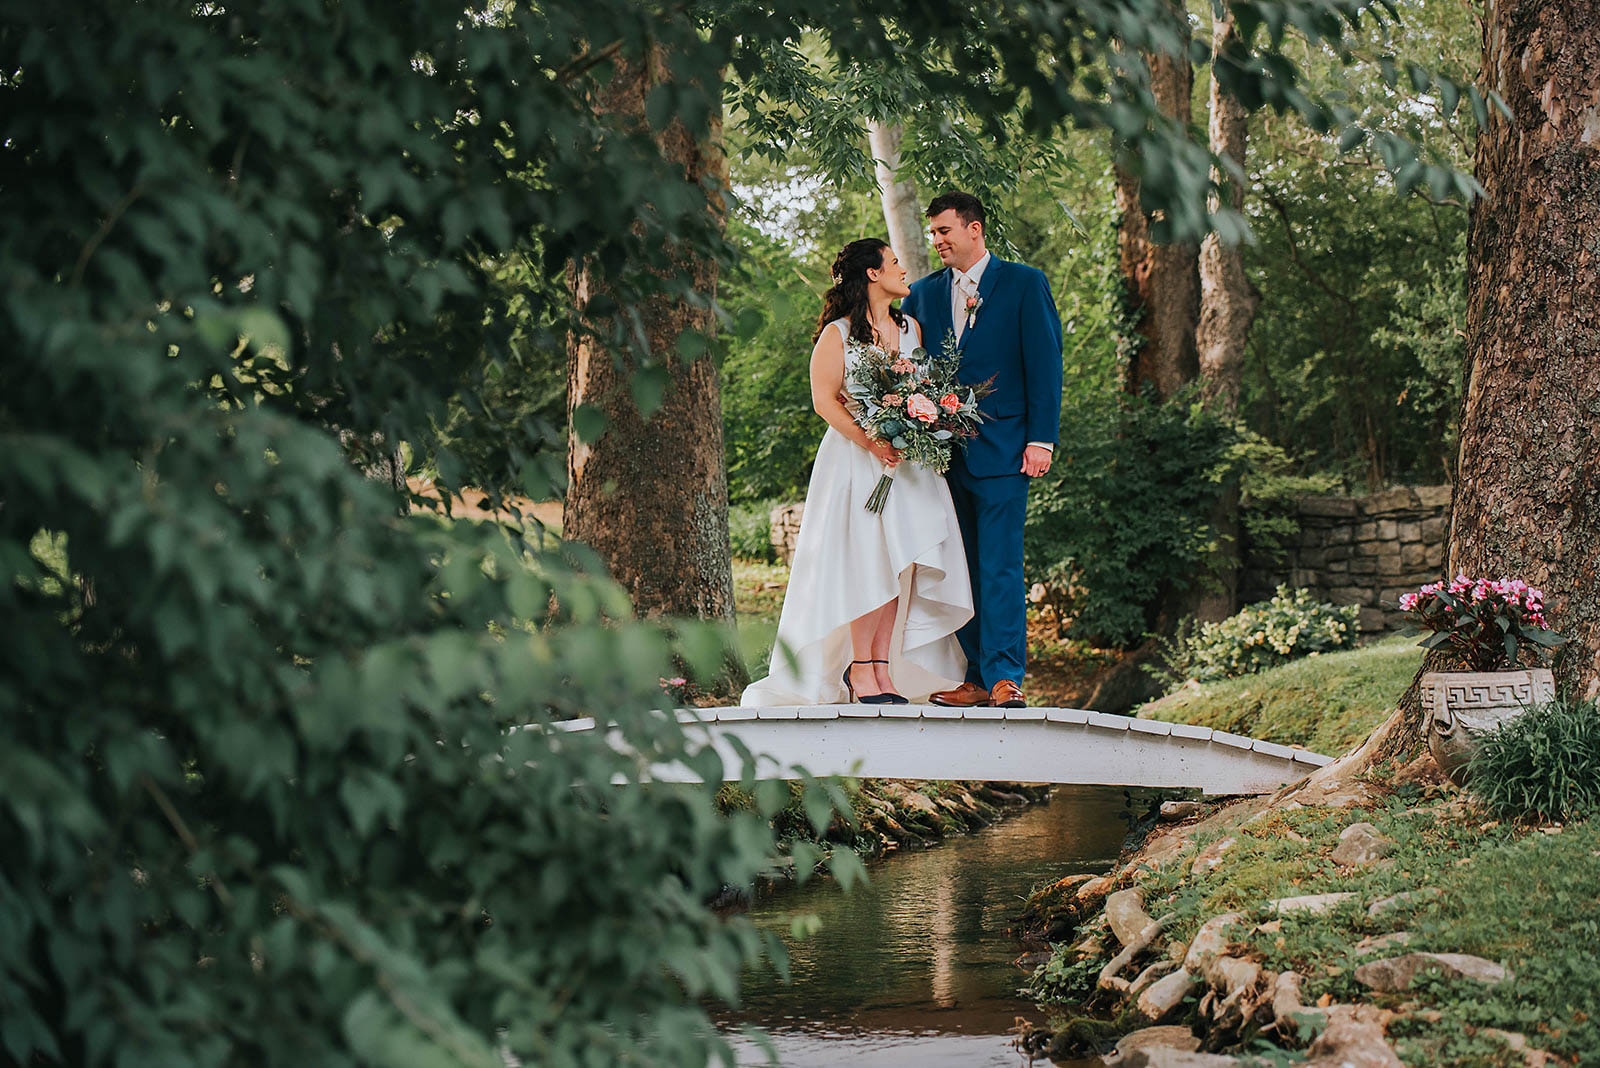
848 561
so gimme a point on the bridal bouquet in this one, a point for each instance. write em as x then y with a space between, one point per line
915 404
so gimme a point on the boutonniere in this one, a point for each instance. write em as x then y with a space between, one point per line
973 304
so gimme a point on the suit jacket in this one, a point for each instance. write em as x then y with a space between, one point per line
1015 340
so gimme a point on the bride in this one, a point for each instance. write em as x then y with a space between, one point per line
874 600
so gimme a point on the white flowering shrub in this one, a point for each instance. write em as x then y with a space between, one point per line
1288 626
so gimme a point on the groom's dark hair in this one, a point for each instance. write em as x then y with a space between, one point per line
969 207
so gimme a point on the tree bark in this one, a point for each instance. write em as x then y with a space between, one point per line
1162 281
1526 501
1228 303
902 212
650 495
1228 300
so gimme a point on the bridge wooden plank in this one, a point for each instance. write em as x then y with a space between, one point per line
1282 752
1022 714
734 715
901 711
1306 756
861 711
697 716
939 712
777 713
1238 741
1066 715
1109 722
820 712
983 713
1150 726
1191 730
584 724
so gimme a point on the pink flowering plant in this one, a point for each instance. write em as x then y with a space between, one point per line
1487 623
914 403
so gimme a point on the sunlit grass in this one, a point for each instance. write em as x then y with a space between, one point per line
1327 703
758 589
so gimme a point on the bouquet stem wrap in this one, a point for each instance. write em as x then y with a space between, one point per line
880 494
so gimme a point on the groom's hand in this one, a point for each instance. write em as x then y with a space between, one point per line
1035 461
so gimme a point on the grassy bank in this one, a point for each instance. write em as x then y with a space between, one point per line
1449 879
1327 703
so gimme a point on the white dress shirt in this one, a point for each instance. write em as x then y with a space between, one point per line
966 282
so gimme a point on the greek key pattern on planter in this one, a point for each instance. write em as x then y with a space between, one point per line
1463 691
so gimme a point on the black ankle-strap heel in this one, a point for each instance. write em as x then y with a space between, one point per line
875 699
892 697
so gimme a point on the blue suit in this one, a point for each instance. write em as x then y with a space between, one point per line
1015 340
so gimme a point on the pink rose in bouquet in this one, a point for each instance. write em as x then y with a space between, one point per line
920 407
950 402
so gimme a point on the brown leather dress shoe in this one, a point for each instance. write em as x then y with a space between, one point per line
967 695
1007 694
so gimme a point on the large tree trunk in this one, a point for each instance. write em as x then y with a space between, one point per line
1162 281
1162 288
902 212
1526 503
1228 303
650 496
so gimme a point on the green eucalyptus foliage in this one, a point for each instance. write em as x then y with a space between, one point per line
1542 765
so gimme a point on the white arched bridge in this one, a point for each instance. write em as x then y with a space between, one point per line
1056 745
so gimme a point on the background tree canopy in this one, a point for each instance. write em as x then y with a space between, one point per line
265 799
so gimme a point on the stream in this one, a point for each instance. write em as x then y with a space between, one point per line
915 967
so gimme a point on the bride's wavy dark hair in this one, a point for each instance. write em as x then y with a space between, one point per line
848 297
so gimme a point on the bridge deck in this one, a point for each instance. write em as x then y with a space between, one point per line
1063 745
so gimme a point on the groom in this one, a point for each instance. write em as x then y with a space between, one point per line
1006 329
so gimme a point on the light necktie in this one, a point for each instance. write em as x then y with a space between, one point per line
966 291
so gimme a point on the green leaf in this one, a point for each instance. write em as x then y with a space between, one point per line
1389 71
692 345
818 807
659 105
367 796
846 867
588 423
772 795
1449 96
649 386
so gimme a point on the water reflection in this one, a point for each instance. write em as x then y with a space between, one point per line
915 967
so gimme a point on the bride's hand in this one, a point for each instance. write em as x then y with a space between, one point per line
887 454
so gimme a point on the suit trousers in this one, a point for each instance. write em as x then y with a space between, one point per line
990 512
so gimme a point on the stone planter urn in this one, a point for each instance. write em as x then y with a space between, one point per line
1459 707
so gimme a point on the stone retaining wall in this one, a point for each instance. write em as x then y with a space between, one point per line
784 527
1364 551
